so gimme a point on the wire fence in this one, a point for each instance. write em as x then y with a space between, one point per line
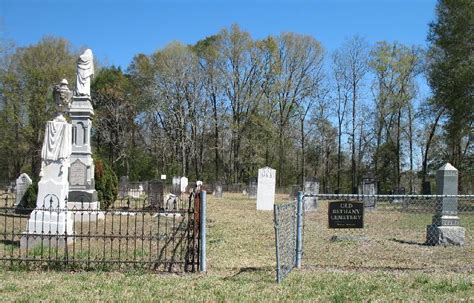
130 234
285 220
396 233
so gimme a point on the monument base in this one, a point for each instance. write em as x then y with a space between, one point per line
445 235
32 241
85 211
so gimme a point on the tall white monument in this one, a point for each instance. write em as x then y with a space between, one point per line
50 224
266 188
82 193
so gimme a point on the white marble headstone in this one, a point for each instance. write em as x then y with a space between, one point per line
22 184
266 188
184 184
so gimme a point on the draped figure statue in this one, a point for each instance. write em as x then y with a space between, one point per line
85 70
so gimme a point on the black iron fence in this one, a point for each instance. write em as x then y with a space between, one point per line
129 234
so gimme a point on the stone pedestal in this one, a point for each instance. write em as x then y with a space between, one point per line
51 224
445 229
82 193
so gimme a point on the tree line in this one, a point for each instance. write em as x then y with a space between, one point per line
230 104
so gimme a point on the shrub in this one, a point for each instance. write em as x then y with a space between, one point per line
106 184
28 201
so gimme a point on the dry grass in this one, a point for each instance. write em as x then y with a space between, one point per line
390 266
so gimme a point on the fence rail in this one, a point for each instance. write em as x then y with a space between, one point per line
129 234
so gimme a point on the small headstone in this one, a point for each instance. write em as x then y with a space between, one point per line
198 185
218 190
252 189
184 184
163 177
22 184
266 188
311 187
123 187
399 191
176 186
155 194
368 190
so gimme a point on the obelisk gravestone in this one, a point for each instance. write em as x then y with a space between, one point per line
82 193
445 228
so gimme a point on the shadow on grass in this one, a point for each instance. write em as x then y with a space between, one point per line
409 242
10 242
251 269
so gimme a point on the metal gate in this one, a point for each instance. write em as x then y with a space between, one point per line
288 237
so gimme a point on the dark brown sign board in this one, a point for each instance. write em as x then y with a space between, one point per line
345 214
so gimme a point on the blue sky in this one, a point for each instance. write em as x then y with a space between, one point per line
118 30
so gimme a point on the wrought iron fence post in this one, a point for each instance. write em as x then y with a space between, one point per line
202 233
299 227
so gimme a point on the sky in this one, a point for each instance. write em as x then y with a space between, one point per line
118 30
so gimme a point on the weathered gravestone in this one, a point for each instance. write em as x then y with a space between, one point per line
445 228
266 188
218 190
368 189
253 185
51 224
311 187
123 187
135 190
176 186
401 192
155 194
22 184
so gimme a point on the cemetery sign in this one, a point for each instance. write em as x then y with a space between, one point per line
344 214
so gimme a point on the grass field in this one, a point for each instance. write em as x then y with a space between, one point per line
390 266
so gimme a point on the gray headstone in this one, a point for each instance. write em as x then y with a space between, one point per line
445 229
155 194
368 189
22 184
123 187
218 190
399 191
252 191
176 186
311 186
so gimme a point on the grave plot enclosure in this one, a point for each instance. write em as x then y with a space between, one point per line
132 234
393 233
